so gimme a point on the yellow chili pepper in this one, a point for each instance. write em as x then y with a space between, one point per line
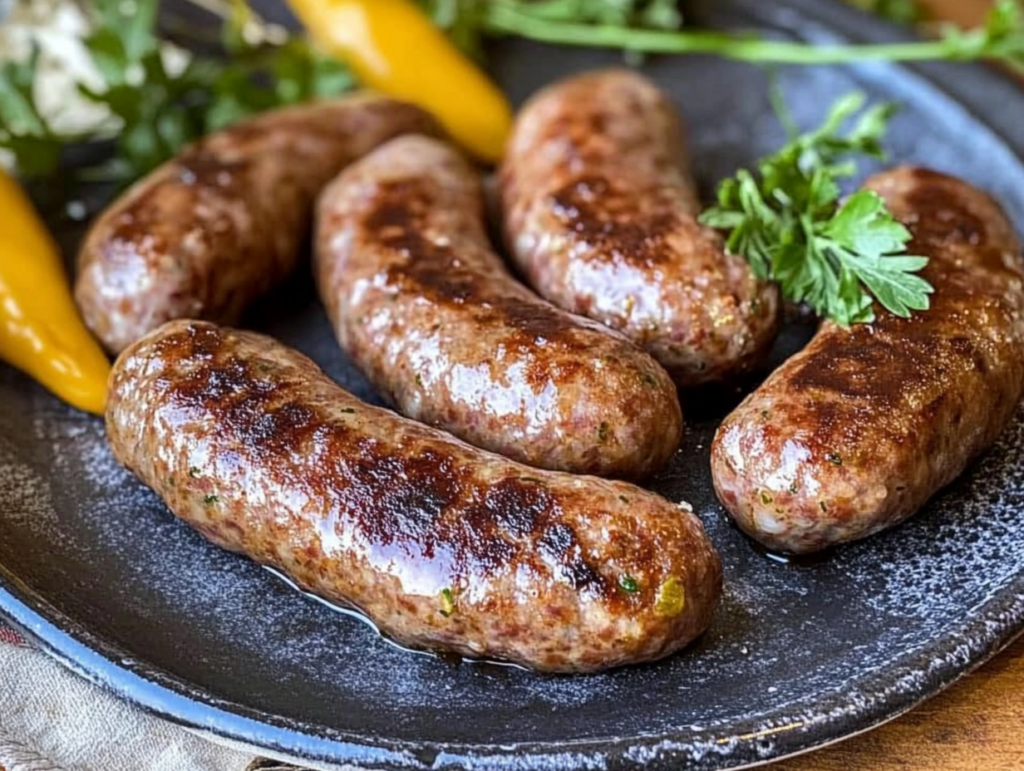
41 332
394 48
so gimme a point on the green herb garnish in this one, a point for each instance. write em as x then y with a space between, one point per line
897 11
648 380
211 499
23 129
565 22
447 603
789 224
628 584
157 108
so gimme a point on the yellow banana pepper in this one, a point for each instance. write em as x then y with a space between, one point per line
41 332
394 48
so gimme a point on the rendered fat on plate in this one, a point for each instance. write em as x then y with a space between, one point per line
442 545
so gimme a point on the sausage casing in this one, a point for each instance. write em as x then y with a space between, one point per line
423 305
217 227
857 431
601 216
443 545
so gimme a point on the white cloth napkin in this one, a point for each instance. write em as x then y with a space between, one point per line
53 720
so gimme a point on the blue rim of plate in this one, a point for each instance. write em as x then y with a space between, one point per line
818 720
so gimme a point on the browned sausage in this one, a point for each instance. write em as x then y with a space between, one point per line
601 215
856 432
210 231
429 312
444 546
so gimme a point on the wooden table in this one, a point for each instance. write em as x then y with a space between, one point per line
977 724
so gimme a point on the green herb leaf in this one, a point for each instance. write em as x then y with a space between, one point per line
593 23
161 110
788 222
864 225
898 11
467 21
447 603
23 130
628 584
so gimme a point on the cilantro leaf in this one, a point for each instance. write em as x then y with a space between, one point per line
790 226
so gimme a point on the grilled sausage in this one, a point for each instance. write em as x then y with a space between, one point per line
210 231
429 312
601 216
856 432
444 546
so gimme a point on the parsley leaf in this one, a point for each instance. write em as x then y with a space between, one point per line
789 224
588 23
466 21
898 11
23 130
162 99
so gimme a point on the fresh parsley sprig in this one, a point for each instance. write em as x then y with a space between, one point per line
788 222
24 131
898 11
468 21
1001 38
160 102
157 107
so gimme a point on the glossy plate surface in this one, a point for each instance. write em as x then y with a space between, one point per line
94 567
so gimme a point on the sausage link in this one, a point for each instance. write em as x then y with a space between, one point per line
215 228
429 312
856 432
444 546
601 215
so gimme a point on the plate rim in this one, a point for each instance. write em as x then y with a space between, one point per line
993 627
113 668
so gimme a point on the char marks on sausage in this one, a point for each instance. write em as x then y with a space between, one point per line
427 310
217 227
859 430
444 546
601 216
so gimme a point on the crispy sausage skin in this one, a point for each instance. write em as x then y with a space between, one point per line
860 429
210 231
429 312
601 216
444 546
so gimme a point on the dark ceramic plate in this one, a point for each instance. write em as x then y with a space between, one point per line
94 567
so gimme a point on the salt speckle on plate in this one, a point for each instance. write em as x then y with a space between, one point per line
76 210
796 655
